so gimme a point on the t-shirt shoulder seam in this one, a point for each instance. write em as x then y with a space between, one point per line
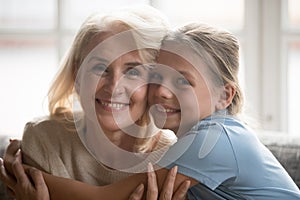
224 130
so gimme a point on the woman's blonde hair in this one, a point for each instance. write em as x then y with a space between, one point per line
222 48
149 27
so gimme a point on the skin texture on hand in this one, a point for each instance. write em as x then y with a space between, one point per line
9 155
18 181
7 171
167 190
25 184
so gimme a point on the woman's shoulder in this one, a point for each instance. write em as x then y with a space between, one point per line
45 122
219 121
47 125
41 121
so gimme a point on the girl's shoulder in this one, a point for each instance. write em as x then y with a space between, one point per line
219 120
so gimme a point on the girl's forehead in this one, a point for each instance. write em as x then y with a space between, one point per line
179 62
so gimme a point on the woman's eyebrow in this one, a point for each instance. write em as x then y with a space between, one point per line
95 58
133 64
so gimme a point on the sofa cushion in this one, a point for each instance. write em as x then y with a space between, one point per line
286 148
289 157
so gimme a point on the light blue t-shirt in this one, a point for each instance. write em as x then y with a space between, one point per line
230 162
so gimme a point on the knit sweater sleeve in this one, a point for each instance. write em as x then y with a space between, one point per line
40 148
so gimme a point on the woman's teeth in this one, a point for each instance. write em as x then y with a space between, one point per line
116 106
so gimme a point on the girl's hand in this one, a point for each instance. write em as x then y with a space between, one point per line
167 191
28 183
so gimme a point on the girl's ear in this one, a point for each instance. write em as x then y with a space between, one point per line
226 96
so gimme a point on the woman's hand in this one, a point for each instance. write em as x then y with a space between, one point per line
7 171
9 155
27 184
167 191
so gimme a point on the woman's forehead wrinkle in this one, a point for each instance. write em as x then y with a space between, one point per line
112 47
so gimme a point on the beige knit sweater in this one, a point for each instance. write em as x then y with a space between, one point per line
49 146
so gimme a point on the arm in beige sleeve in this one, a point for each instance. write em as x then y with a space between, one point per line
64 189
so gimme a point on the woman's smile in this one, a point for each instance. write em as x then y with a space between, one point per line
112 106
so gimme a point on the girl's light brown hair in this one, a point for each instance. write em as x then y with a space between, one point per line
223 48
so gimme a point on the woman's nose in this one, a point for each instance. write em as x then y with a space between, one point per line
114 85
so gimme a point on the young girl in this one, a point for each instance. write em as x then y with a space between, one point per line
194 91
197 81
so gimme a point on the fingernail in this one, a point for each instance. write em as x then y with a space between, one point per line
140 188
174 170
1 161
187 184
18 152
150 167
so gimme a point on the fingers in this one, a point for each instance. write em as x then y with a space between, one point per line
138 193
20 174
9 154
10 192
152 190
181 192
40 187
13 146
18 156
168 187
8 180
37 178
167 191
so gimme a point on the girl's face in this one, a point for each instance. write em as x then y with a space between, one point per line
178 93
113 87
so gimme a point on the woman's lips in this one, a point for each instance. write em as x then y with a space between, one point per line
112 106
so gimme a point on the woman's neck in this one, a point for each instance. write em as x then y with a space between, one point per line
113 148
117 137
121 139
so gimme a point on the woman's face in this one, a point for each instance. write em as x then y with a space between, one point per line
113 88
178 93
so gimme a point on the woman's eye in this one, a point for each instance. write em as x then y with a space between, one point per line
183 81
155 77
99 69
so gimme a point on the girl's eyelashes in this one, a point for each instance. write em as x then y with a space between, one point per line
179 82
182 82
